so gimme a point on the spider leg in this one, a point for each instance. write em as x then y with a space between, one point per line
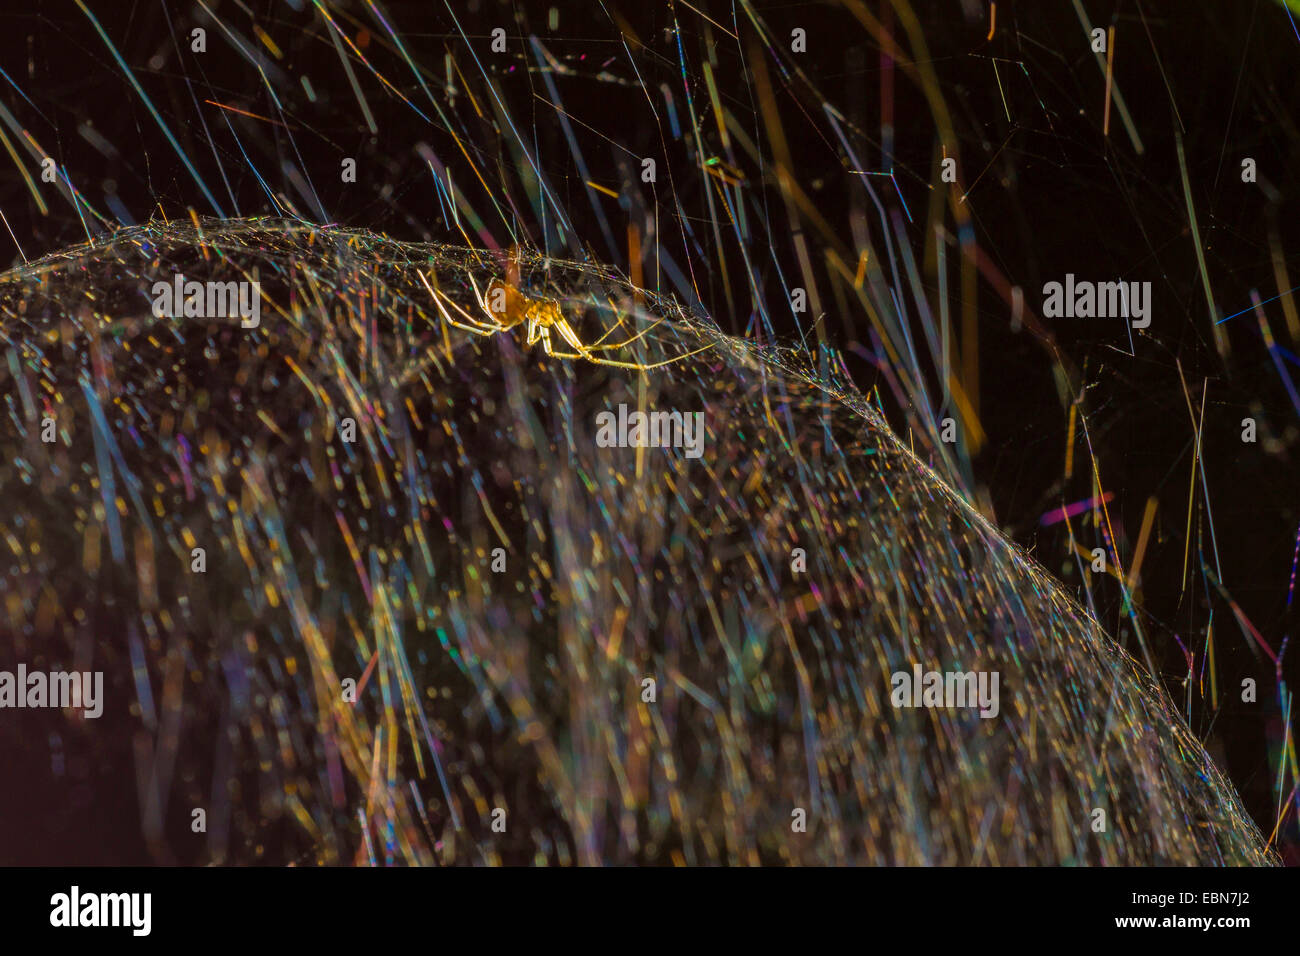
544 334
562 326
618 345
600 346
470 324
486 328
597 346
641 366
610 330
566 332
482 303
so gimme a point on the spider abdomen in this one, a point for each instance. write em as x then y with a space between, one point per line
507 306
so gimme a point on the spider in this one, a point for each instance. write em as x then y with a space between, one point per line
510 307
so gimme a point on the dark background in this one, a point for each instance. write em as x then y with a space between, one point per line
1053 195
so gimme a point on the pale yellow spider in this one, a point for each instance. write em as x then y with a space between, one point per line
510 307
